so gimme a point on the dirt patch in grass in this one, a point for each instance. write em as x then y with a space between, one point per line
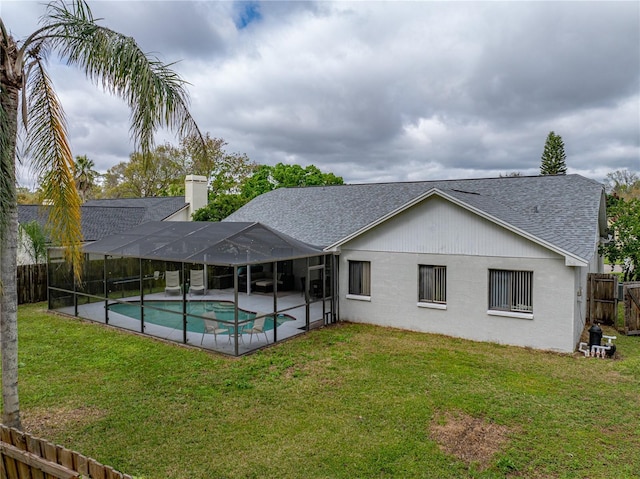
469 439
50 422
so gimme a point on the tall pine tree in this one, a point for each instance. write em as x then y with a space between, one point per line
553 156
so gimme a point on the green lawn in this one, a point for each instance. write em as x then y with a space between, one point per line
351 401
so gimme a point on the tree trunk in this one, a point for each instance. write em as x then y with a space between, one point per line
8 258
9 323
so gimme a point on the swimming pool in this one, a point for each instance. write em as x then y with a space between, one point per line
169 313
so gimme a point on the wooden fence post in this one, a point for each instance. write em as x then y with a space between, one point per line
24 456
632 308
32 283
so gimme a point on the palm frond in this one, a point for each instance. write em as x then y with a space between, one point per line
4 41
47 144
7 141
155 94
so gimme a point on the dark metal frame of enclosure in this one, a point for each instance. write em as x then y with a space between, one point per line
131 262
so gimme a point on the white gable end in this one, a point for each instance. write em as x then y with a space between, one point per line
438 226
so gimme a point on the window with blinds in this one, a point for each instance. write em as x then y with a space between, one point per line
432 284
360 278
511 290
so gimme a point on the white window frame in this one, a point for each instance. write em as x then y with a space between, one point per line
432 286
359 279
511 293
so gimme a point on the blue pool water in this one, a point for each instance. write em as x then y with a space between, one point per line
169 313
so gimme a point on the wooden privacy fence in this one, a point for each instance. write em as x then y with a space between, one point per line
631 296
26 457
32 283
602 295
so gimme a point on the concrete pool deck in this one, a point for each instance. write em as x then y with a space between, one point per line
290 303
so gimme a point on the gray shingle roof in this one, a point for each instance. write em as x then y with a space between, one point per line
560 210
156 209
101 218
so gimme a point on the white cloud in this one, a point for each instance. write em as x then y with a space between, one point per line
383 91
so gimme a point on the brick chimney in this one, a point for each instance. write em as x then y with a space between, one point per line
195 193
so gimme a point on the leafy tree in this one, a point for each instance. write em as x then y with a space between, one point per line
511 174
553 156
260 182
225 171
162 171
623 183
624 244
34 239
27 197
145 176
264 178
154 93
230 173
85 176
220 207
268 178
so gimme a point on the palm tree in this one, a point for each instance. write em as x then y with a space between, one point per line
85 175
154 93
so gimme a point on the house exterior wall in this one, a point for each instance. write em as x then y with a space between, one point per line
23 256
580 308
441 233
596 265
439 226
182 215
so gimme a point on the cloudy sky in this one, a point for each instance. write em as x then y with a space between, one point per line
380 91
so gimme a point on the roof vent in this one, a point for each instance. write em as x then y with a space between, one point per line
535 209
467 192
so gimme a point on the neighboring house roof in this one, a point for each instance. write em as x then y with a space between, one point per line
156 208
561 212
101 218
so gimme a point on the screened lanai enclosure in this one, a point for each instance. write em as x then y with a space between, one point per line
228 287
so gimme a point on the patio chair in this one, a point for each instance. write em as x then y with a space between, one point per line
212 326
257 328
173 283
197 282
